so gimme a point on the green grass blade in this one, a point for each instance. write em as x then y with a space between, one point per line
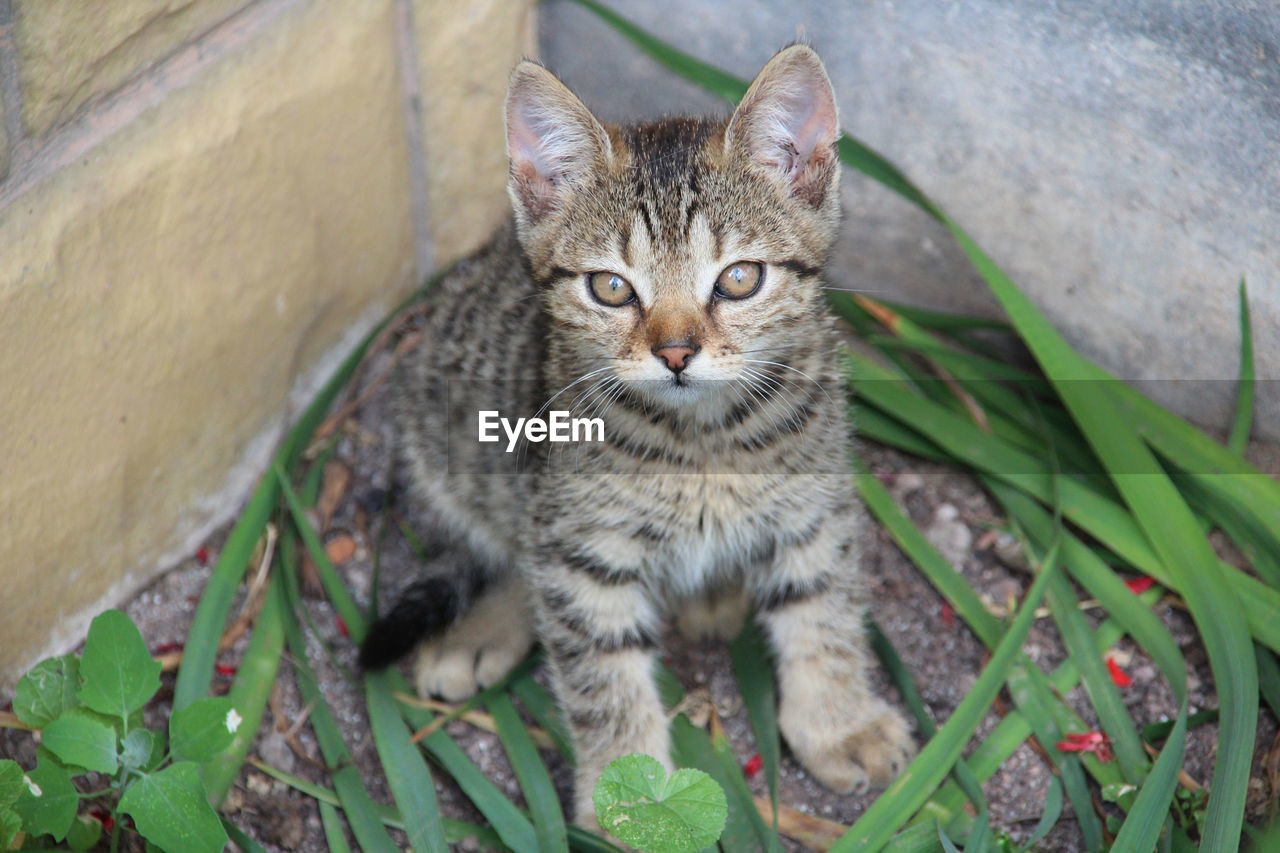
878 824
454 830
877 426
937 570
1239 435
244 842
337 591
1077 636
978 830
744 830
535 781
539 703
406 770
215 603
709 77
363 818
511 825
753 671
1104 519
1146 819
1049 817
1037 709
334 835
250 692
1268 678
201 648
1171 528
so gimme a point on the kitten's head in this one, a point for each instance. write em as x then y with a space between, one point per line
677 254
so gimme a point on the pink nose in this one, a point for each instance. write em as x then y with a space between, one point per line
676 355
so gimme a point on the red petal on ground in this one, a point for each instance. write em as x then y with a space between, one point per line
947 614
1140 585
225 668
1118 675
202 555
753 765
166 648
1096 742
342 626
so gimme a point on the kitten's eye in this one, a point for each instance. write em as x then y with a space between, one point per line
610 289
740 280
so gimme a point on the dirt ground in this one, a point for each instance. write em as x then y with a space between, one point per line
944 657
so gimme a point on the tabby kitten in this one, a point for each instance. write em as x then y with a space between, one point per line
666 278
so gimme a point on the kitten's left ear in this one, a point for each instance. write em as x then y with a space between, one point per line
787 125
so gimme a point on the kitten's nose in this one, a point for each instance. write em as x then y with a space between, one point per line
676 354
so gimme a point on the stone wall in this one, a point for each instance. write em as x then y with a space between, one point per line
202 204
1119 158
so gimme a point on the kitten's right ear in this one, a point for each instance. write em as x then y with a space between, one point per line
553 140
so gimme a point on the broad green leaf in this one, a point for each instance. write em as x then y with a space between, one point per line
641 805
83 741
10 782
120 675
48 801
84 834
10 825
172 811
137 749
47 690
203 729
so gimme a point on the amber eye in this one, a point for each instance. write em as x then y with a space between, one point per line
740 280
610 289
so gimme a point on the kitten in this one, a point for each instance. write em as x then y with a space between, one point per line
664 277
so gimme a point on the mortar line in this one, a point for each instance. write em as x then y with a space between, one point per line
407 60
11 88
119 109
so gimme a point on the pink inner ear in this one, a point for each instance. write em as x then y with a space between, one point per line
788 121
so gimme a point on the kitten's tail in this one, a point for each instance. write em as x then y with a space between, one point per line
426 609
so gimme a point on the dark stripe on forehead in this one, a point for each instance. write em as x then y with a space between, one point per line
799 267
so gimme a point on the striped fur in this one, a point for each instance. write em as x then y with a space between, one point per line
718 485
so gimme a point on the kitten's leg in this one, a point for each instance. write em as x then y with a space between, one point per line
811 608
481 646
597 625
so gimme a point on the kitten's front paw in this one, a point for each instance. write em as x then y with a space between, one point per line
849 752
478 649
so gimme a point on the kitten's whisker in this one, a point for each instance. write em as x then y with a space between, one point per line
794 370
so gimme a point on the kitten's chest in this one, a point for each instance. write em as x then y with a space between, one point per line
705 528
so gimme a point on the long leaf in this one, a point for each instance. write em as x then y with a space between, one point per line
359 808
909 792
406 770
750 657
1244 402
535 781
255 678
514 828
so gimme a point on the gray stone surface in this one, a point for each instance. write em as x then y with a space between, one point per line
1117 157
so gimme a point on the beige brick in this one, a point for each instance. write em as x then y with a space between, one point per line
71 51
466 50
161 296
